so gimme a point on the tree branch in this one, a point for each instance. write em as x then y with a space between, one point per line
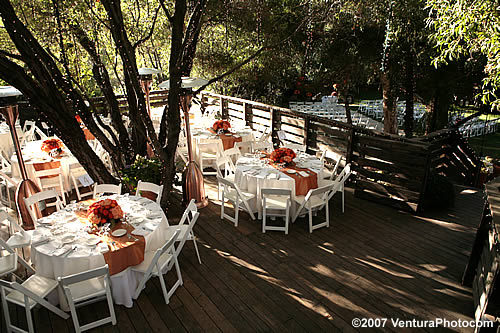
151 30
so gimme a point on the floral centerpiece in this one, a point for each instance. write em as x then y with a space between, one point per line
221 126
104 211
53 147
282 155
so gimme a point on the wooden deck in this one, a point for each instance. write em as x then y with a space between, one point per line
373 261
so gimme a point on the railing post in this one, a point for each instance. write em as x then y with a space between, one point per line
307 133
275 125
247 108
350 145
223 108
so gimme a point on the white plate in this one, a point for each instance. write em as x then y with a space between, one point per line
46 221
92 240
291 171
68 239
119 232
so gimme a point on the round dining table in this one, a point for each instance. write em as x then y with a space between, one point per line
256 171
6 145
64 243
228 140
36 159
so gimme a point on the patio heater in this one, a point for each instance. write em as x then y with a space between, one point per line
27 187
146 80
193 185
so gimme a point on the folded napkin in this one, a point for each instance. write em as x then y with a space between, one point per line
304 174
102 248
140 232
150 226
61 251
39 238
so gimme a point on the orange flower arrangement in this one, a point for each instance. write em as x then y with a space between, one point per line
104 211
282 155
221 125
51 144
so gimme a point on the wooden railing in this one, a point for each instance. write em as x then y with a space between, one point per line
484 263
389 168
157 98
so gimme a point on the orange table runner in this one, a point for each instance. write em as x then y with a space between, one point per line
228 141
123 252
302 184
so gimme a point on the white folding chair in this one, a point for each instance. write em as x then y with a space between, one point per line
8 262
276 202
7 185
28 132
100 189
208 152
233 153
186 226
157 264
295 147
150 187
339 183
86 288
266 135
50 179
76 171
314 201
28 294
325 174
39 198
233 194
259 146
244 147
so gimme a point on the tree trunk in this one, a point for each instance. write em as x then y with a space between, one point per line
173 113
438 111
389 104
409 87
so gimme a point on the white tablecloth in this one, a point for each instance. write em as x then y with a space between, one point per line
200 135
142 213
33 154
254 173
6 144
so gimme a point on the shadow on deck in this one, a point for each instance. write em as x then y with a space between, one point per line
373 261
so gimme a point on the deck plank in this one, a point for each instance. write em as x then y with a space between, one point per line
373 261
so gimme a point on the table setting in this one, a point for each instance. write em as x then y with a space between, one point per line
45 154
116 230
283 168
221 129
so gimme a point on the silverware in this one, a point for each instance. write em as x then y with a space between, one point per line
73 248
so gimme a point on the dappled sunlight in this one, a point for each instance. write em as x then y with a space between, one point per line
385 269
448 225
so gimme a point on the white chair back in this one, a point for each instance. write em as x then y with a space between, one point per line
76 171
234 153
150 187
295 147
107 188
51 179
244 147
225 167
37 198
91 286
258 146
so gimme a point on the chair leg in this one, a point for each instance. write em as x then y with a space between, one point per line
74 316
236 212
310 221
264 220
196 247
109 298
5 310
327 215
163 288
222 206
342 199
287 217
29 319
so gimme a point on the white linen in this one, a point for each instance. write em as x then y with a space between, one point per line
253 173
54 259
6 144
32 153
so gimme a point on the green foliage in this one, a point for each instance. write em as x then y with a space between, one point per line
464 28
144 169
